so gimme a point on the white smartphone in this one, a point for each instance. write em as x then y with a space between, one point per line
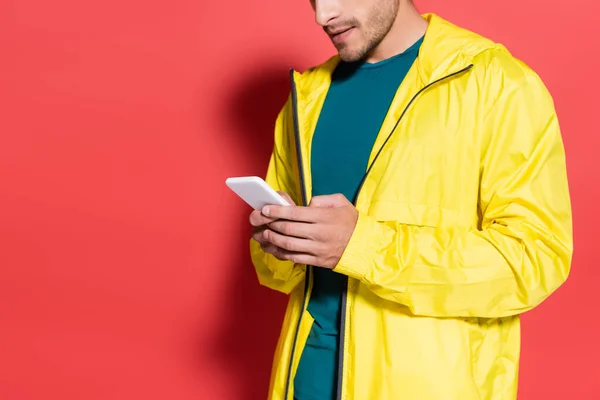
255 191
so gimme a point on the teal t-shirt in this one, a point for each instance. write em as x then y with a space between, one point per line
355 107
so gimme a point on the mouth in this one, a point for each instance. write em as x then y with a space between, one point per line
340 35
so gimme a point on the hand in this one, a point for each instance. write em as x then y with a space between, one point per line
260 223
314 235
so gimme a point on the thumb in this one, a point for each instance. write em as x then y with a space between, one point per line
331 201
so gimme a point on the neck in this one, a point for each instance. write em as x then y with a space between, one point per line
408 27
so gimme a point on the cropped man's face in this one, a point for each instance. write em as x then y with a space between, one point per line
355 26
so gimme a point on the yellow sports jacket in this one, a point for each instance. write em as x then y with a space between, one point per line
464 223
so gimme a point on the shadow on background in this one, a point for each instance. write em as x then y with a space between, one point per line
246 341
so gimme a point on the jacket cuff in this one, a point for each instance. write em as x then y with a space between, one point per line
362 249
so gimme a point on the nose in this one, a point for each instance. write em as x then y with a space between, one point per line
326 11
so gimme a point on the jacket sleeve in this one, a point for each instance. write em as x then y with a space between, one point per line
521 251
283 276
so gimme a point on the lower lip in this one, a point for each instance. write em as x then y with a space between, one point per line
341 37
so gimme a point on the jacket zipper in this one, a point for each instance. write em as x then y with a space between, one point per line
345 293
304 203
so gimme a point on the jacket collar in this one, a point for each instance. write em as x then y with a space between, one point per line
446 48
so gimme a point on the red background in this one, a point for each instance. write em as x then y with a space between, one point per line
124 271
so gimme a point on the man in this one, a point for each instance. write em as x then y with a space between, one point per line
431 208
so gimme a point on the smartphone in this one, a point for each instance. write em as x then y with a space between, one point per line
255 192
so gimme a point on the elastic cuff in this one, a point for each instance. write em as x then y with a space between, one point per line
360 253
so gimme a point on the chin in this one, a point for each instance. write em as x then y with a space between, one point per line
352 52
350 55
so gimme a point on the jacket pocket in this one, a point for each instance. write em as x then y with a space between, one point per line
413 214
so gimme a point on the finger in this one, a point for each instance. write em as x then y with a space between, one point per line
279 254
296 245
287 197
294 213
269 248
295 229
258 219
332 200
298 258
259 236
